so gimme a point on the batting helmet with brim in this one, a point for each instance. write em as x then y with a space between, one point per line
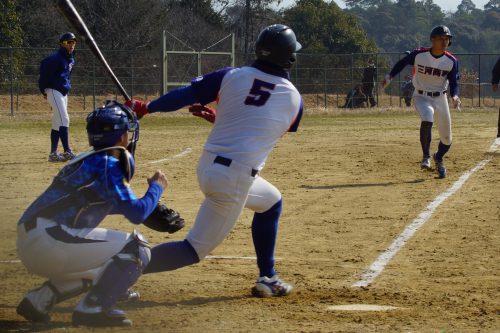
441 30
108 123
67 36
277 45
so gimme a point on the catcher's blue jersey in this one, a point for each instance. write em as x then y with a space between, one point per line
90 189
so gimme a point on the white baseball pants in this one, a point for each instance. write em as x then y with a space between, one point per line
59 105
437 108
227 189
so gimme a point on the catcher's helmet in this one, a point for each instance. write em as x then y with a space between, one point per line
441 30
277 44
108 123
67 36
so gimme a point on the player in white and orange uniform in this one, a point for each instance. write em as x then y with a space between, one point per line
256 106
434 69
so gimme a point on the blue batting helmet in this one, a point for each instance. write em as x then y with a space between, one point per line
108 123
277 45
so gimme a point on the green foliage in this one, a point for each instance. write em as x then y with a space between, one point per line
406 24
324 27
11 34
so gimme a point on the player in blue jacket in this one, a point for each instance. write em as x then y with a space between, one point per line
59 236
54 83
434 70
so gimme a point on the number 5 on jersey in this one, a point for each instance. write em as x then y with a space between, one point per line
259 94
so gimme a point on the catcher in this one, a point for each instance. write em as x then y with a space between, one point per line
58 235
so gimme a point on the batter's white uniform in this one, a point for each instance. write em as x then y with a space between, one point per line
431 77
59 105
254 110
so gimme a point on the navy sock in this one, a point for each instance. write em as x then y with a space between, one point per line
426 138
54 140
171 256
64 133
264 231
442 150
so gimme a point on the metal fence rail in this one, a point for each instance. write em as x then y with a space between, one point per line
323 79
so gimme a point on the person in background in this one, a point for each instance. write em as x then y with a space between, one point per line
369 79
54 83
495 79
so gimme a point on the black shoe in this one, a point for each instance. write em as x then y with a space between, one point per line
29 312
113 317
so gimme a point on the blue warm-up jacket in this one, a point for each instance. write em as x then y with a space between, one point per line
55 72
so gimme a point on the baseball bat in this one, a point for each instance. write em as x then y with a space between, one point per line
69 11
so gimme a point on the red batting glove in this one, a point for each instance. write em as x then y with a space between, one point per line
203 111
139 107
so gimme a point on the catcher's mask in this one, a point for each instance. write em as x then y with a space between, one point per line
108 123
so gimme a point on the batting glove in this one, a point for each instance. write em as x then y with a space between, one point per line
139 107
455 100
203 111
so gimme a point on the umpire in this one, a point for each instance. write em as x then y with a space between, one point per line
54 83
495 79
369 79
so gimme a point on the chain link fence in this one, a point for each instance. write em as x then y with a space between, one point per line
324 80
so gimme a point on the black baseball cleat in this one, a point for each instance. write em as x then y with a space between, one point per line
112 317
27 310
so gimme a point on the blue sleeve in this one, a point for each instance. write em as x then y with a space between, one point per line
173 101
47 66
401 64
137 210
296 122
206 88
453 77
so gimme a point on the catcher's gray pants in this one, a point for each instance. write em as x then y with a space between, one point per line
71 255
227 189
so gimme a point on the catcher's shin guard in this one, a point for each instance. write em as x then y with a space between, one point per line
123 270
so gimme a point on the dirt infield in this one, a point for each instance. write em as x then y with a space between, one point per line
351 183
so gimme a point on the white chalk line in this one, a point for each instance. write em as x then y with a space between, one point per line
378 266
10 261
181 154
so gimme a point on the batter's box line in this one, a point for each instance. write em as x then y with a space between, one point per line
183 153
378 266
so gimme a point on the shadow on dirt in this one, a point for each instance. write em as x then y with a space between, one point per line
24 326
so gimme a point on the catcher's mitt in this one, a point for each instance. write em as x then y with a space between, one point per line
164 219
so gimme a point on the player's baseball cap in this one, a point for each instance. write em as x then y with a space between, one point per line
441 30
67 36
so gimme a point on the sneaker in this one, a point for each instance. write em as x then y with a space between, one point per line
268 287
68 155
426 163
36 304
55 157
441 169
112 317
129 296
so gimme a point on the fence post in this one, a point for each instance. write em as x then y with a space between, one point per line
352 72
93 83
376 77
324 83
479 78
132 64
11 54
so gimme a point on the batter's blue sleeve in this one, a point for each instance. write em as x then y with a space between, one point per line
453 77
174 100
296 122
401 64
206 88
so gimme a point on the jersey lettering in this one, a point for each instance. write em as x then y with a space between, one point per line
259 94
